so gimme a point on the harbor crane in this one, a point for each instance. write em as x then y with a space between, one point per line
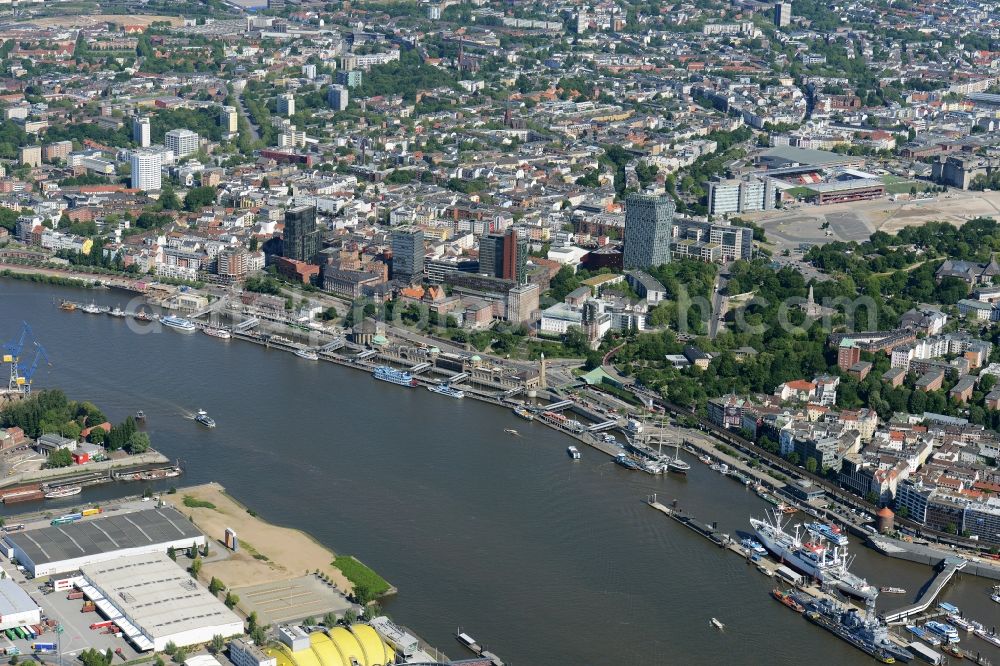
12 355
28 372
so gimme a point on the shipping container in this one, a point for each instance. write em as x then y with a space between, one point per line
61 521
75 594
101 625
31 632
10 634
91 512
20 633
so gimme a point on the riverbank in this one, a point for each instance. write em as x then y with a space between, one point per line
267 553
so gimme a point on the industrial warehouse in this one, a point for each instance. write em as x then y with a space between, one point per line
16 607
63 548
155 602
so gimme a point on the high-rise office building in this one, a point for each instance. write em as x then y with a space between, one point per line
301 236
146 167
182 142
337 97
407 253
648 229
140 131
504 256
741 195
286 104
782 14
229 120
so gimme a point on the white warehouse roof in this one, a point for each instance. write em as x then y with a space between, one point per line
161 600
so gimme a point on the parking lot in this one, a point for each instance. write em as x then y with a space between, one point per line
292 600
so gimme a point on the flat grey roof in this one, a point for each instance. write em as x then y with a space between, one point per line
13 599
157 595
807 155
103 535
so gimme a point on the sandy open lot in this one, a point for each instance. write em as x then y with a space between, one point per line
856 221
88 21
290 553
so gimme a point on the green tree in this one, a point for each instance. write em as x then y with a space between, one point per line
231 599
172 554
195 567
330 620
793 458
811 465
59 458
215 585
170 648
199 197
137 443
217 645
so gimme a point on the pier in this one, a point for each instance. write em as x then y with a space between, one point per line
944 572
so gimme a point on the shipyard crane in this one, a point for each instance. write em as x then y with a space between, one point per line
24 381
12 355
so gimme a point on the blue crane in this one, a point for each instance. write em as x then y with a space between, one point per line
12 354
27 372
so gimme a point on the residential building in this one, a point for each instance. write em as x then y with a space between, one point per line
407 253
350 78
182 142
301 240
848 353
522 302
782 14
711 242
229 120
286 104
741 195
141 131
337 97
648 230
31 156
146 170
58 150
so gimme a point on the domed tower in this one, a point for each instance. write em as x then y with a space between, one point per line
884 520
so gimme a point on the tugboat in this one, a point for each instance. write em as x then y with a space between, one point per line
524 413
117 312
787 599
573 452
203 418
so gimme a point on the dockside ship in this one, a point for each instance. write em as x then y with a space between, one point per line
831 533
862 630
178 324
813 558
444 389
386 374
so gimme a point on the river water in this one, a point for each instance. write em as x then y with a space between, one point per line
543 560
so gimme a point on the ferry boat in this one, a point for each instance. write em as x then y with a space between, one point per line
524 413
573 452
813 558
386 374
67 491
444 389
176 323
626 462
91 309
988 636
787 599
996 594
307 354
220 333
892 590
68 306
944 630
923 635
142 315
203 418
960 622
826 531
949 608
117 312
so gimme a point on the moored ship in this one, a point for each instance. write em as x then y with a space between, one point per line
307 354
831 533
788 600
444 389
220 333
862 630
178 324
813 558
524 413
67 491
385 373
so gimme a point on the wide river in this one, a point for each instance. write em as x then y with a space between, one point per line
545 561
